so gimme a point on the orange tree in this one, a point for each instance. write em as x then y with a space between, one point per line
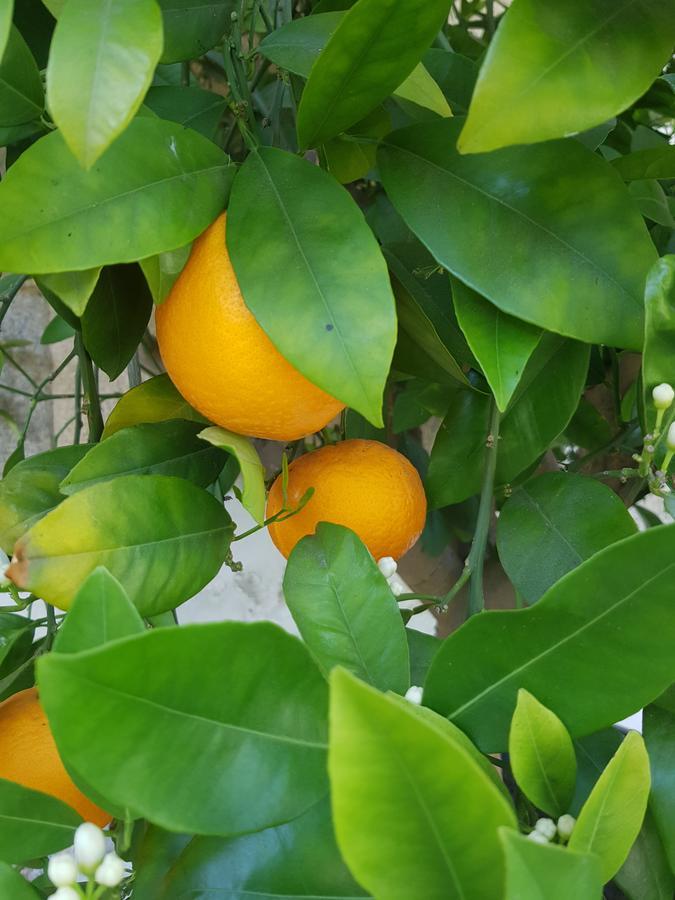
443 286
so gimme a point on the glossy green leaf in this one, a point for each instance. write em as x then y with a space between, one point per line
611 818
191 27
420 88
101 612
101 62
14 631
162 270
172 447
266 864
434 811
245 705
155 189
72 288
31 489
659 732
455 74
556 648
6 9
422 647
651 162
589 260
154 400
593 752
560 84
13 885
252 470
646 875
658 358
21 96
541 754
345 610
541 535
332 315
544 402
652 201
56 331
191 107
376 45
351 156
170 542
548 872
501 344
32 824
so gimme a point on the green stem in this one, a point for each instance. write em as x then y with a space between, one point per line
490 17
90 385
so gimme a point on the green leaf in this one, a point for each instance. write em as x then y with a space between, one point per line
252 470
593 752
455 74
423 647
14 886
72 288
21 97
14 630
501 344
548 872
589 260
610 820
651 162
544 403
659 732
332 315
56 331
6 9
170 542
155 189
162 270
101 612
101 63
191 27
560 84
376 45
172 447
244 703
557 647
345 610
191 107
266 864
116 317
420 88
542 755
646 875
652 201
659 347
154 400
32 824
541 536
31 489
414 813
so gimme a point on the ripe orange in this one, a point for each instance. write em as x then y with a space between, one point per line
363 485
28 755
222 361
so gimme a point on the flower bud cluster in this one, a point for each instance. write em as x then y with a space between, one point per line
88 858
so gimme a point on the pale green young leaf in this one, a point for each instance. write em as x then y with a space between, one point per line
252 471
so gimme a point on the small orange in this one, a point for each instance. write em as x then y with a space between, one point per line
28 755
363 485
222 361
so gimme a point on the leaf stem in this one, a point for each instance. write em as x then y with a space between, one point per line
90 385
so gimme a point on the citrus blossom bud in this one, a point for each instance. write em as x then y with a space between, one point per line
670 438
66 893
62 870
565 825
387 565
663 396
414 695
89 846
545 827
111 871
537 837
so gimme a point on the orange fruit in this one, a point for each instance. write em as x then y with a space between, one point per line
28 755
363 485
222 361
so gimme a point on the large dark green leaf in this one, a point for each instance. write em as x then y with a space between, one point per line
545 74
192 107
235 737
646 875
21 98
6 9
659 732
564 649
155 400
415 815
170 542
191 27
116 317
552 524
332 314
101 62
548 872
587 258
267 864
658 359
31 489
155 189
455 74
374 48
345 610
32 824
651 162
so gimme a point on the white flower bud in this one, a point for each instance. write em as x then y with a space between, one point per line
545 827
89 846
62 870
397 586
387 565
566 825
670 437
111 871
66 893
414 695
537 837
663 396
